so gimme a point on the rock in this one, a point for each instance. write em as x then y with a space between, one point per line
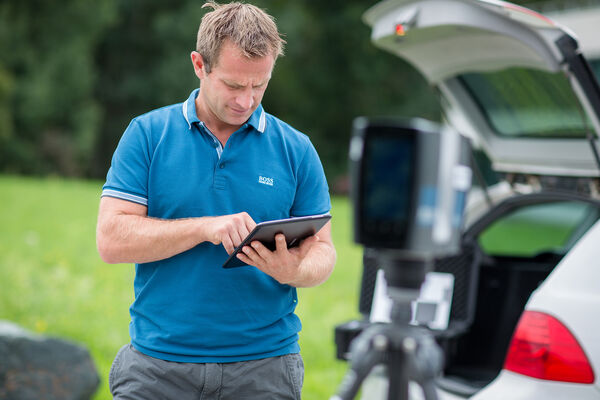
37 367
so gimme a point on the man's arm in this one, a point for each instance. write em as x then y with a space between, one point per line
308 265
125 233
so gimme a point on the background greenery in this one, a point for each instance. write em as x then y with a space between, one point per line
74 73
53 281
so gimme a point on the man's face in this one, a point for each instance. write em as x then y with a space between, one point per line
235 86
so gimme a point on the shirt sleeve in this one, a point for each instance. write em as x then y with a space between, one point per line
312 193
127 178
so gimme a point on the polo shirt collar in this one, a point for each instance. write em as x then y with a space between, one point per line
189 109
257 120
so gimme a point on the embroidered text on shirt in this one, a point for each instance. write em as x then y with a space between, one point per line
265 181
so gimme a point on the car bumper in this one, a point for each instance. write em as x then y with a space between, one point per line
509 385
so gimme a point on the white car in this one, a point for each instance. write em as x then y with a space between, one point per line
525 317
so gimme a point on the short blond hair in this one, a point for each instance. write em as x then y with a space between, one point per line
245 25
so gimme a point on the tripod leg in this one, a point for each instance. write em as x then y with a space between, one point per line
397 376
367 351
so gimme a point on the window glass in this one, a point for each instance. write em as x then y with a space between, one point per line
523 102
483 166
535 229
595 64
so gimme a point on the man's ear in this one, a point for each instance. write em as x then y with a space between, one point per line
199 65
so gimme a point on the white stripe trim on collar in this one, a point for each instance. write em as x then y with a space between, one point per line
185 114
262 122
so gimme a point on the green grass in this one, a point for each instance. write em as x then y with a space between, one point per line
53 281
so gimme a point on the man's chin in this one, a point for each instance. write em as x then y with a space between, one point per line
238 119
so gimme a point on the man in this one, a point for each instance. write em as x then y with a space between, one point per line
187 183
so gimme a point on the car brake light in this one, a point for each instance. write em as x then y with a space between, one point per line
542 347
400 30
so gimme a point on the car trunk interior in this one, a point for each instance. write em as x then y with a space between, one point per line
475 357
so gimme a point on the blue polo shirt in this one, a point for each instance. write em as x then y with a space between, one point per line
187 308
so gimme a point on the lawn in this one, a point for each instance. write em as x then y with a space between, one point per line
53 281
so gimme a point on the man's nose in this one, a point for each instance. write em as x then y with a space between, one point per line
245 100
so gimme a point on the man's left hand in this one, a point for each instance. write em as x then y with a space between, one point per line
282 264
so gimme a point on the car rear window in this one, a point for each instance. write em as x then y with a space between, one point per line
523 102
539 228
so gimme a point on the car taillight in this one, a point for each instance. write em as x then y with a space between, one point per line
542 347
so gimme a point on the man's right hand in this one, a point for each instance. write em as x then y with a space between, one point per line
229 230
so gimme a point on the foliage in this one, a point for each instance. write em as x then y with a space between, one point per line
53 281
47 77
74 73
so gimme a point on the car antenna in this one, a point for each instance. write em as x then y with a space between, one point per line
589 135
590 138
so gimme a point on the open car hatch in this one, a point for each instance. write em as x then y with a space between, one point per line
511 79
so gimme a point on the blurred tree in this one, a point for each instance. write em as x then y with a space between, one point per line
144 63
48 113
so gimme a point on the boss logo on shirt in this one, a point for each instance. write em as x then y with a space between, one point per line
265 180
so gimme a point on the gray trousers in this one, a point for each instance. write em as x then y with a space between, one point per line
136 376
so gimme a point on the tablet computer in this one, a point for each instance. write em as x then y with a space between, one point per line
295 230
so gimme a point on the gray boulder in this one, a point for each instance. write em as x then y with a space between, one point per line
37 367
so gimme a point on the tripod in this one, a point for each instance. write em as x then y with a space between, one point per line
408 352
